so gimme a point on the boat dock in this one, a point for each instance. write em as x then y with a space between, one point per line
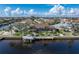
48 37
24 38
31 38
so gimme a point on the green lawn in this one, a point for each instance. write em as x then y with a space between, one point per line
68 33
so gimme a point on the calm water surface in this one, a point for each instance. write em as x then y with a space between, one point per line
55 47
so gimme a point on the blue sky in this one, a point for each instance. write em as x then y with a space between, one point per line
50 10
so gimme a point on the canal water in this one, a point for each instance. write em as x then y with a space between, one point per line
54 47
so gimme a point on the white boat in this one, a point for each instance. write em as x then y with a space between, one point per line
28 37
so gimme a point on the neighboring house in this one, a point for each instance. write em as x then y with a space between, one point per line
66 25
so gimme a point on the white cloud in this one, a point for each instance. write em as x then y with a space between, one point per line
55 10
25 12
7 11
73 11
19 12
58 10
16 12
31 12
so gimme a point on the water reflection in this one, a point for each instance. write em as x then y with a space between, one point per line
54 46
14 45
70 43
20 44
44 43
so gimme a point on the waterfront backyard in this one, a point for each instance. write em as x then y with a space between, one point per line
39 29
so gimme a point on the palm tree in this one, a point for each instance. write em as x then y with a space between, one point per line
10 28
21 27
33 18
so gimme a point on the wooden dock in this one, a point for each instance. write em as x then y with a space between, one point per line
45 40
40 37
48 38
66 37
57 37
